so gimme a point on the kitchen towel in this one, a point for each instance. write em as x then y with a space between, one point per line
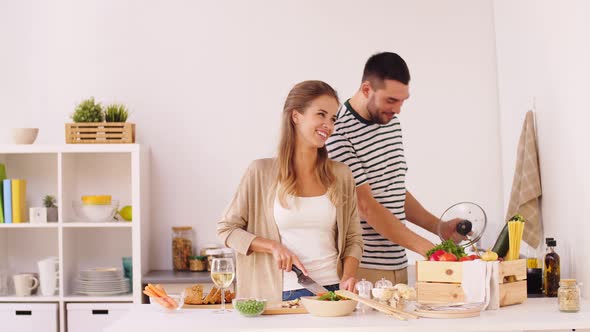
474 281
526 184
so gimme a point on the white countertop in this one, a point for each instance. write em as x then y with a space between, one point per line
535 314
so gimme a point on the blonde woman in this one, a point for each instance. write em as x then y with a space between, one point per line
296 209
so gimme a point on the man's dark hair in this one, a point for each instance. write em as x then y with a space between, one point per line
386 66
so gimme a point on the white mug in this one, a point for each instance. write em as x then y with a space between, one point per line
24 284
48 276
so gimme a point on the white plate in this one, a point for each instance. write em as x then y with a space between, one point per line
102 293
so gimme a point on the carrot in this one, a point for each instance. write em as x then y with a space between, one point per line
163 303
157 291
171 302
160 288
149 293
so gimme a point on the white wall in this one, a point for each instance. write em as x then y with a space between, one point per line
206 82
543 54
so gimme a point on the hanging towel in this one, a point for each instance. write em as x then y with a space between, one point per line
526 185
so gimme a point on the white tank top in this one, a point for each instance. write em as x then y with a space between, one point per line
308 229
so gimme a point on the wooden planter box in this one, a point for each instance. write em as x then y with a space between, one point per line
100 133
440 282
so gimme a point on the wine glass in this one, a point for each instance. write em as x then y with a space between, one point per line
222 274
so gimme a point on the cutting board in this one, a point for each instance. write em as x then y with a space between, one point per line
277 310
448 313
273 310
206 306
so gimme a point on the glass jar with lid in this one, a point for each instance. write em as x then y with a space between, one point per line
568 295
211 254
208 246
182 247
198 263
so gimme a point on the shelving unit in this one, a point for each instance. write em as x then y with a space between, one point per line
69 172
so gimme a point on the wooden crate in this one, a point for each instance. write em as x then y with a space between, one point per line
440 282
100 133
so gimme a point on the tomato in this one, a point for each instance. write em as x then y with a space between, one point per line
447 257
436 255
474 257
465 258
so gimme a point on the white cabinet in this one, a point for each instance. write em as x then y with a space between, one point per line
27 317
69 172
93 317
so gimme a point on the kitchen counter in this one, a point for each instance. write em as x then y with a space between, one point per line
172 277
536 314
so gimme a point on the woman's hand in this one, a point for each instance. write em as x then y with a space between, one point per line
285 258
348 283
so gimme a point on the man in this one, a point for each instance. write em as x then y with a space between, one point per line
368 138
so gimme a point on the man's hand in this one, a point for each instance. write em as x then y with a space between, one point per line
348 283
448 230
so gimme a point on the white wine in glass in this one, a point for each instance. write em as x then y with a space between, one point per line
222 274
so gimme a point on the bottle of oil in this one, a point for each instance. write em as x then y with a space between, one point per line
551 269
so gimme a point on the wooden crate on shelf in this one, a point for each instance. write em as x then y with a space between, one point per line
100 133
441 282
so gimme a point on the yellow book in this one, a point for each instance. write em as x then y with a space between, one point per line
19 201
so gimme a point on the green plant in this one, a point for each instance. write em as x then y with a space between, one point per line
88 111
49 201
116 113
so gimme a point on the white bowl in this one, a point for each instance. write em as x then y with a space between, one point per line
328 308
96 213
24 135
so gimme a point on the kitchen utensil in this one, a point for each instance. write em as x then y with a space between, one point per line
399 314
307 282
24 135
364 288
472 226
24 284
328 308
48 270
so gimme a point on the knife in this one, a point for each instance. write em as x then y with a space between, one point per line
307 282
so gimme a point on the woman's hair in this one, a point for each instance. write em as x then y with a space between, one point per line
298 100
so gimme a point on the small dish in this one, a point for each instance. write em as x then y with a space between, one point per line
24 135
172 303
96 213
249 307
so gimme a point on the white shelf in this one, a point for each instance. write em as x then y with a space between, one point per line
119 224
84 298
69 171
68 148
34 298
29 225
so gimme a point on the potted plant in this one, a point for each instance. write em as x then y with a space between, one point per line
95 125
49 203
88 111
116 113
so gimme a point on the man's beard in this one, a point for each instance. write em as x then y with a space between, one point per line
375 113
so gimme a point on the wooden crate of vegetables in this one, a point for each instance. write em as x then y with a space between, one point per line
439 280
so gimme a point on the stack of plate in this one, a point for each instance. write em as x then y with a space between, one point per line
102 282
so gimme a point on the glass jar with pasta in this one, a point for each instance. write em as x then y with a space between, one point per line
182 247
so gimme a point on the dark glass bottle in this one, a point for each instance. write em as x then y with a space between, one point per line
551 270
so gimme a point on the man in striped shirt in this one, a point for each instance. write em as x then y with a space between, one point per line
368 138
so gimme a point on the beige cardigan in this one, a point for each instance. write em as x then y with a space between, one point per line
250 215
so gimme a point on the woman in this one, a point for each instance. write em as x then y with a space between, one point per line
296 209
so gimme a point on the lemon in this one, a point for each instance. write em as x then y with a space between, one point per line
97 200
125 212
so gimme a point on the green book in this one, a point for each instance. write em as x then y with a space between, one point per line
2 177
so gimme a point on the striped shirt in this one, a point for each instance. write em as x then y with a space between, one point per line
375 154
